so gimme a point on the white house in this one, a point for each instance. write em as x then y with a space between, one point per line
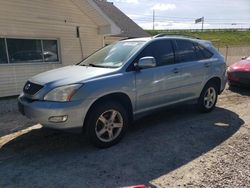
40 35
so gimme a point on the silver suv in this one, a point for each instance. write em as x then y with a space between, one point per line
105 92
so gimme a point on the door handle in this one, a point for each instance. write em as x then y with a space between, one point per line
207 65
176 70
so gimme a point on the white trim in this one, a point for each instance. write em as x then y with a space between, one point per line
7 51
27 37
43 50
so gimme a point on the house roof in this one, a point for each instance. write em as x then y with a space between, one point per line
106 26
128 27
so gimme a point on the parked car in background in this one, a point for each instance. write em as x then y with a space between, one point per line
239 73
105 92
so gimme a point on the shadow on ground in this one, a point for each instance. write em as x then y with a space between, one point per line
245 91
154 146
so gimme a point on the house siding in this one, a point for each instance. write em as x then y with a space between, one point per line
44 19
110 39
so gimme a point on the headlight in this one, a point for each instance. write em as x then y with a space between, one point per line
230 69
63 93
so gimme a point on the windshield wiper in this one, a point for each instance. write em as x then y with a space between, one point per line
79 64
90 65
101 66
94 65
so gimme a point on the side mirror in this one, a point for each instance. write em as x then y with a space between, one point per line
146 62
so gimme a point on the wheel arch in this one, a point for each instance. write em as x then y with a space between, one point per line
119 97
217 81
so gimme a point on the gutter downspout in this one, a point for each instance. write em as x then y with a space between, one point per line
78 35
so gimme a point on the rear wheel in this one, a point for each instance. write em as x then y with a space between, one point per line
208 98
106 124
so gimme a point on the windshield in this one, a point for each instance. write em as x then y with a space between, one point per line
114 55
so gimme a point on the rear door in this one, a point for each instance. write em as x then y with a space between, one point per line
192 66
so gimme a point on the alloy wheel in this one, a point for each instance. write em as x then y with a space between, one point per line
109 125
210 97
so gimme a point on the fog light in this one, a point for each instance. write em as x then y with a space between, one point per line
58 119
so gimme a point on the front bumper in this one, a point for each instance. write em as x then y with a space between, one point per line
239 78
243 83
42 111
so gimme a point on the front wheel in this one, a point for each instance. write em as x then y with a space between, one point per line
106 124
208 98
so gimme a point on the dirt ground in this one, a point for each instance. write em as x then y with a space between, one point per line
175 147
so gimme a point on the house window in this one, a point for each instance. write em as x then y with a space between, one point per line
24 50
3 55
50 51
29 51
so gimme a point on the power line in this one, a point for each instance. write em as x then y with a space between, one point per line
174 18
191 21
159 20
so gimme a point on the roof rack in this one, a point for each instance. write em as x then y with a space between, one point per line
165 35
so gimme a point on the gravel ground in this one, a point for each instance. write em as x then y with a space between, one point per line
175 147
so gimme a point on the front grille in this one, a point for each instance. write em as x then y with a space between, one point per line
31 88
242 74
240 77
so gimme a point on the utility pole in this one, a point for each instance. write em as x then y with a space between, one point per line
153 19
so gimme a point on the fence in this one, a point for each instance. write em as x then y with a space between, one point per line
234 53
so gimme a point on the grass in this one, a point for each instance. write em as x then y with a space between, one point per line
219 38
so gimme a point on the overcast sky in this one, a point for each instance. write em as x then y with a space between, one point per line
180 14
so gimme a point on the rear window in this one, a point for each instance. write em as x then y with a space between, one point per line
184 51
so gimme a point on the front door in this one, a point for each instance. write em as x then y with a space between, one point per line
156 86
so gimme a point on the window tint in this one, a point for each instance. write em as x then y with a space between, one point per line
201 52
184 51
3 55
161 50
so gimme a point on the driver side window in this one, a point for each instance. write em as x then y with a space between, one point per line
161 50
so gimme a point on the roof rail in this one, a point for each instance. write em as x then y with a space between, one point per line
165 35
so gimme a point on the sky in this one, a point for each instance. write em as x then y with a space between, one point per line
181 14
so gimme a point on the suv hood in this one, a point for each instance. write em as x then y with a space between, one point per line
70 75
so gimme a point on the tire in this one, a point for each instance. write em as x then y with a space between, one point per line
208 98
106 124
